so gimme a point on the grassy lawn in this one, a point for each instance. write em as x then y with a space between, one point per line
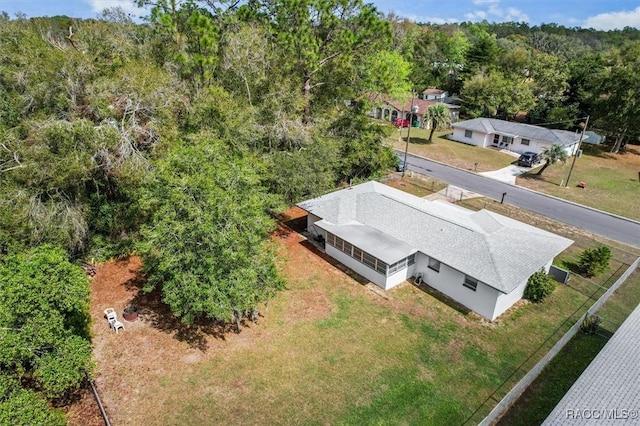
556 379
450 152
611 181
408 360
419 185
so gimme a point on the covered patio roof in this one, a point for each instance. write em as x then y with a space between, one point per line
378 244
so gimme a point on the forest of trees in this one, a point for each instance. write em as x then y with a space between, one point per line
181 138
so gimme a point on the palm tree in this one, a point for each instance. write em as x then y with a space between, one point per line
552 154
438 117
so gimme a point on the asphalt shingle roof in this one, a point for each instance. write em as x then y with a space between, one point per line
499 251
528 131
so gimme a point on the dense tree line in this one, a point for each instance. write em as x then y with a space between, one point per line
178 139
181 138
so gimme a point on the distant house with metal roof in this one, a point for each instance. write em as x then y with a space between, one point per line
517 137
480 259
607 392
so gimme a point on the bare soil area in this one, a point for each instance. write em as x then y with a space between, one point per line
136 366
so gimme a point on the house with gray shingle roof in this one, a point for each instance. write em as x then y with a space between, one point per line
517 137
478 258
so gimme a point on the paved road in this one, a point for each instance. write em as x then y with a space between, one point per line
615 228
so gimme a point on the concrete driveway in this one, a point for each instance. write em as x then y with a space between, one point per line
507 174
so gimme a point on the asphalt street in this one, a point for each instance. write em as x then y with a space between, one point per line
610 226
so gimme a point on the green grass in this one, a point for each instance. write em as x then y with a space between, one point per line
555 380
409 360
621 303
446 151
417 185
611 180
329 351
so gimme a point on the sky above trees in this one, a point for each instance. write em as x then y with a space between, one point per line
598 14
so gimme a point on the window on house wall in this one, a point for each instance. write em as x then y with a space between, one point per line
470 283
401 264
468 133
434 264
357 254
331 239
507 139
525 141
367 259
496 139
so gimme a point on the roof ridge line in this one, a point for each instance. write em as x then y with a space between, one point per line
426 212
487 242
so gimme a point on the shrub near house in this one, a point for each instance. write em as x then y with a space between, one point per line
539 286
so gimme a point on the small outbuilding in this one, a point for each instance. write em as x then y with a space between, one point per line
481 259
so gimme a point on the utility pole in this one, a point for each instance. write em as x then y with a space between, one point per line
414 109
575 154
400 127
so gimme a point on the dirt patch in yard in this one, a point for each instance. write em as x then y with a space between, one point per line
134 366
84 410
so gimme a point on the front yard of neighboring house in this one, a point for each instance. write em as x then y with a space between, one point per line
612 180
454 153
327 350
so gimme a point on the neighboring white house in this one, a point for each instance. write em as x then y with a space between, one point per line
593 138
517 137
480 259
390 109
433 94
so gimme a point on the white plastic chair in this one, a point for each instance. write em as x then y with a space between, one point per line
110 313
115 324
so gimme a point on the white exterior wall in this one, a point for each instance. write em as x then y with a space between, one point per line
505 301
534 146
537 146
360 268
374 276
486 140
311 219
477 138
571 149
449 281
399 277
